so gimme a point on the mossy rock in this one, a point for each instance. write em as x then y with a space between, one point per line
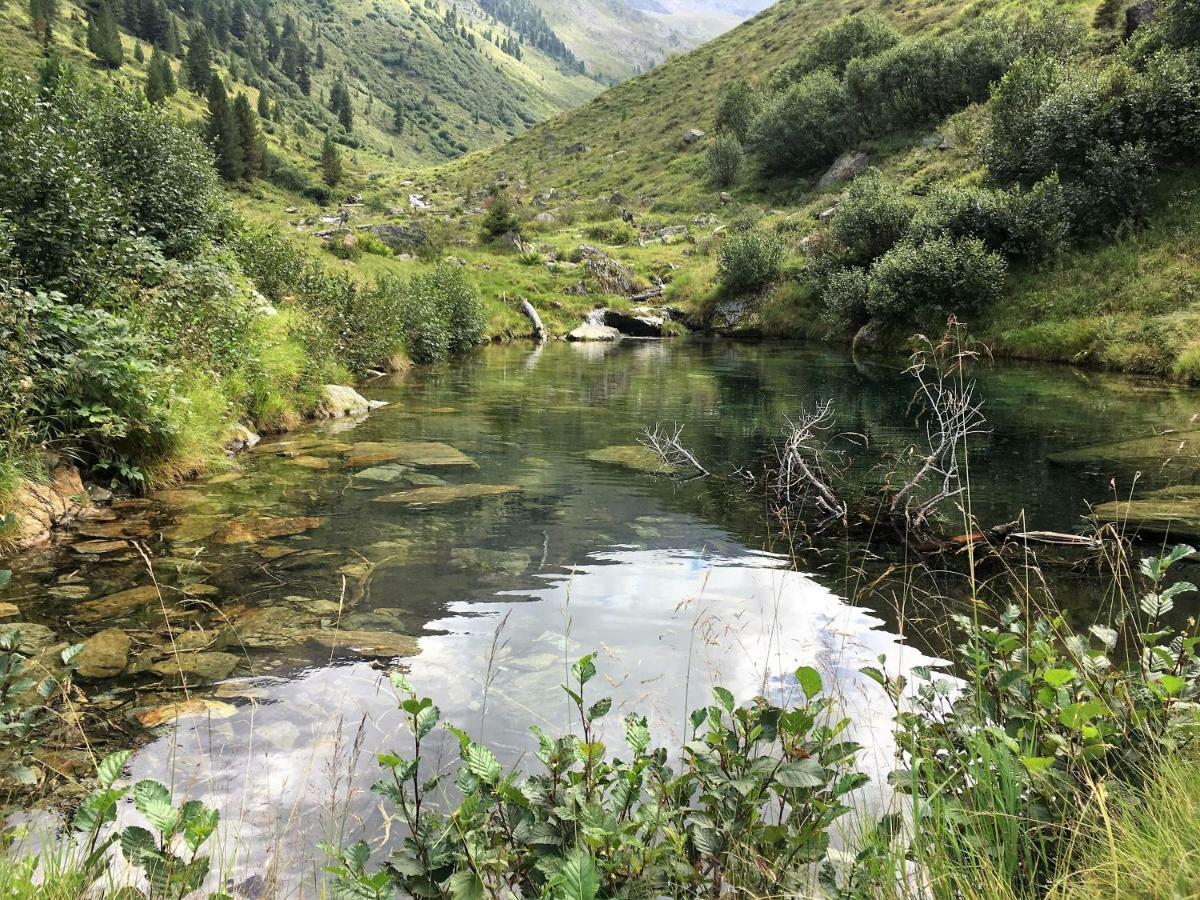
1174 511
634 457
1180 449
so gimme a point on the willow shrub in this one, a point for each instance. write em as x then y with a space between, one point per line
748 811
749 260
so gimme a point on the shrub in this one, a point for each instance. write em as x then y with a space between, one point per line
802 126
372 244
1112 195
499 219
873 217
854 37
344 245
1007 147
920 283
749 260
282 173
617 232
1163 104
737 108
845 297
747 813
422 322
725 156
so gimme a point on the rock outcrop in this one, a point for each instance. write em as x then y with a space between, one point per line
339 400
846 167
40 507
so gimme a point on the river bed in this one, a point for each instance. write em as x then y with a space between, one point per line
470 533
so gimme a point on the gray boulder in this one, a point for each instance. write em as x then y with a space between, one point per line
399 237
845 167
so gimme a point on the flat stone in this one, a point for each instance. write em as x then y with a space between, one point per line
338 400
449 493
268 627
69 591
311 462
256 528
193 528
185 709
1173 448
89 547
383 474
204 666
104 655
118 604
1171 511
511 562
426 454
374 644
9 610
111 530
590 331
34 637
632 456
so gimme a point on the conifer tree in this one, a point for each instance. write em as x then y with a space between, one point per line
320 56
103 38
303 79
42 14
253 143
339 103
264 104
199 60
331 162
138 54
160 82
223 133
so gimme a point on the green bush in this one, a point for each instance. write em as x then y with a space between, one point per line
442 313
845 297
344 245
803 126
853 37
749 260
1112 196
737 108
725 157
873 217
1163 105
618 233
747 813
500 219
923 283
373 244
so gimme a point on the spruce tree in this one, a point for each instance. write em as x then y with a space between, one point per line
264 104
253 144
303 79
42 14
223 132
160 81
138 54
320 56
331 162
339 103
199 60
103 38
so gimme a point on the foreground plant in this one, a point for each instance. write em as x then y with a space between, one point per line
749 811
1003 769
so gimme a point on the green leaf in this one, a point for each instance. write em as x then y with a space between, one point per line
466 885
1172 684
482 763
97 809
201 823
5 575
803 773
809 680
578 878
401 683
1107 636
1077 715
585 669
724 697
111 766
1058 677
599 709
1037 764
136 844
153 801
426 719
637 734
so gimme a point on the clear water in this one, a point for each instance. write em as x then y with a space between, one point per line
673 583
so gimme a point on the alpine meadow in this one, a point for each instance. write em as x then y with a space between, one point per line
599 449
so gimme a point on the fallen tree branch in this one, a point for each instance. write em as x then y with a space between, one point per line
539 330
668 445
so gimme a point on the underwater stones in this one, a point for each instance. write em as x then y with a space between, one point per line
118 604
205 666
634 457
40 506
338 400
87 548
509 562
374 644
1174 511
1172 449
438 495
191 529
269 627
111 530
196 707
69 591
183 497
311 462
9 610
34 637
383 474
425 454
250 529
104 655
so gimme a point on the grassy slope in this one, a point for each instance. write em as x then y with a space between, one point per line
1131 304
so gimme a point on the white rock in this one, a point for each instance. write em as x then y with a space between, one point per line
339 400
590 331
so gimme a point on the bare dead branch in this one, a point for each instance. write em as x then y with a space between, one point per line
668 445
803 470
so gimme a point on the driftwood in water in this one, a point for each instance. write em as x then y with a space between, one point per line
539 330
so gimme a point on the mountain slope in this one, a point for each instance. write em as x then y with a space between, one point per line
617 38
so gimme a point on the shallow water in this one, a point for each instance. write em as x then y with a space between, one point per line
557 556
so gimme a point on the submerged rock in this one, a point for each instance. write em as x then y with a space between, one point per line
99 547
632 456
185 709
511 562
34 637
425 454
203 666
118 604
376 644
1174 511
1173 448
104 655
256 528
437 495
383 474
